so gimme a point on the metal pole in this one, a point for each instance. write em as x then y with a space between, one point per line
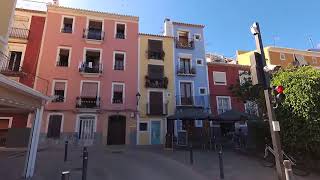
288 170
191 153
271 114
66 151
221 164
84 163
65 175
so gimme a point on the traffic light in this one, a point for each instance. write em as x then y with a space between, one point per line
279 93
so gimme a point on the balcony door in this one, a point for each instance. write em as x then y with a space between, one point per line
15 60
186 93
89 94
185 66
183 37
86 128
156 103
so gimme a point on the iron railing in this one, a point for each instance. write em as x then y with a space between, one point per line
87 102
117 100
157 109
120 36
66 29
7 67
19 33
222 110
87 67
184 44
156 82
202 101
181 71
93 34
155 55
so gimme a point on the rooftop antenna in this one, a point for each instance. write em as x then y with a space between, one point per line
275 38
311 41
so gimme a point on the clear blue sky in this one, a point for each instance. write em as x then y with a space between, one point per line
287 23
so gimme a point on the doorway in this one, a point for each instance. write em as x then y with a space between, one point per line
116 130
155 132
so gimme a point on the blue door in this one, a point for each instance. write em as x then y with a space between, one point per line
155 132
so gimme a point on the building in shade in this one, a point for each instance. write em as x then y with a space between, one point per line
90 59
190 73
156 86
283 57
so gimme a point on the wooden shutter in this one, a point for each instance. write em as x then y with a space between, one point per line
89 89
156 103
155 71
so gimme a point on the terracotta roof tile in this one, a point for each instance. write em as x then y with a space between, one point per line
188 24
155 35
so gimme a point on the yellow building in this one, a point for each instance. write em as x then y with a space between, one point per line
283 57
6 14
156 87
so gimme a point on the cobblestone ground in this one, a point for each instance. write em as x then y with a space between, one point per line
137 163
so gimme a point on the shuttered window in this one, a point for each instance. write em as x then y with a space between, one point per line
155 71
54 126
219 78
117 97
59 91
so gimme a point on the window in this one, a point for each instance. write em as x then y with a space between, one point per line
199 62
282 56
223 104
67 25
120 31
198 123
219 78
89 95
54 126
155 72
185 66
59 91
155 103
244 76
119 61
63 57
91 62
186 93
202 91
143 126
251 108
155 49
197 37
15 61
118 93
94 31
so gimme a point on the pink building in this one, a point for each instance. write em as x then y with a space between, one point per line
91 61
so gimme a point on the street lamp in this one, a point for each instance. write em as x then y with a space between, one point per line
138 96
262 70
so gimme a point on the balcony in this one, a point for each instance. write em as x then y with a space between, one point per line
88 102
117 100
200 101
222 110
157 109
155 55
184 43
120 36
186 71
156 83
66 29
19 33
90 68
93 34
8 67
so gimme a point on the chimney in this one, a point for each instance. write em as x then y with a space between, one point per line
168 27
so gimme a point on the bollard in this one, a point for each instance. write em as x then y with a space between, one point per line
65 175
288 170
66 151
221 164
84 163
191 154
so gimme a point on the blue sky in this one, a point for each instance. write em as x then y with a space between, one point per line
286 23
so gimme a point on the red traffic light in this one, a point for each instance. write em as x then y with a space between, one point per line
279 89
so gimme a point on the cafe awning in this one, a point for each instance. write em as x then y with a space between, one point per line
189 113
231 116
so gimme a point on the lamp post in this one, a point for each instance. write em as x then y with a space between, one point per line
138 96
273 123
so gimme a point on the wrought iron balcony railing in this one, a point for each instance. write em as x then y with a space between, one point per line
186 71
66 29
93 34
155 55
120 36
184 44
88 102
117 100
19 33
156 83
157 108
202 101
9 68
90 68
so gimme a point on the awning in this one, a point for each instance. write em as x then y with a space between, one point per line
231 116
189 113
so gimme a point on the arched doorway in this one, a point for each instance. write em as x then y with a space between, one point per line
116 130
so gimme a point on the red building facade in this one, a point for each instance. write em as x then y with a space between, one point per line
221 76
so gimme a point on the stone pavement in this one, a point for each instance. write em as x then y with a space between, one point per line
138 163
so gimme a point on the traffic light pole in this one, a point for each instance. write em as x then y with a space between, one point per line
273 123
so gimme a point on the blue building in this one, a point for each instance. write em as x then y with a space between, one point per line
191 78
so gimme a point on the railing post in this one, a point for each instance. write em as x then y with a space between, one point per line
221 164
288 170
66 151
191 154
84 163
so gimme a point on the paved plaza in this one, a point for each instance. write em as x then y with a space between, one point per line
133 163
